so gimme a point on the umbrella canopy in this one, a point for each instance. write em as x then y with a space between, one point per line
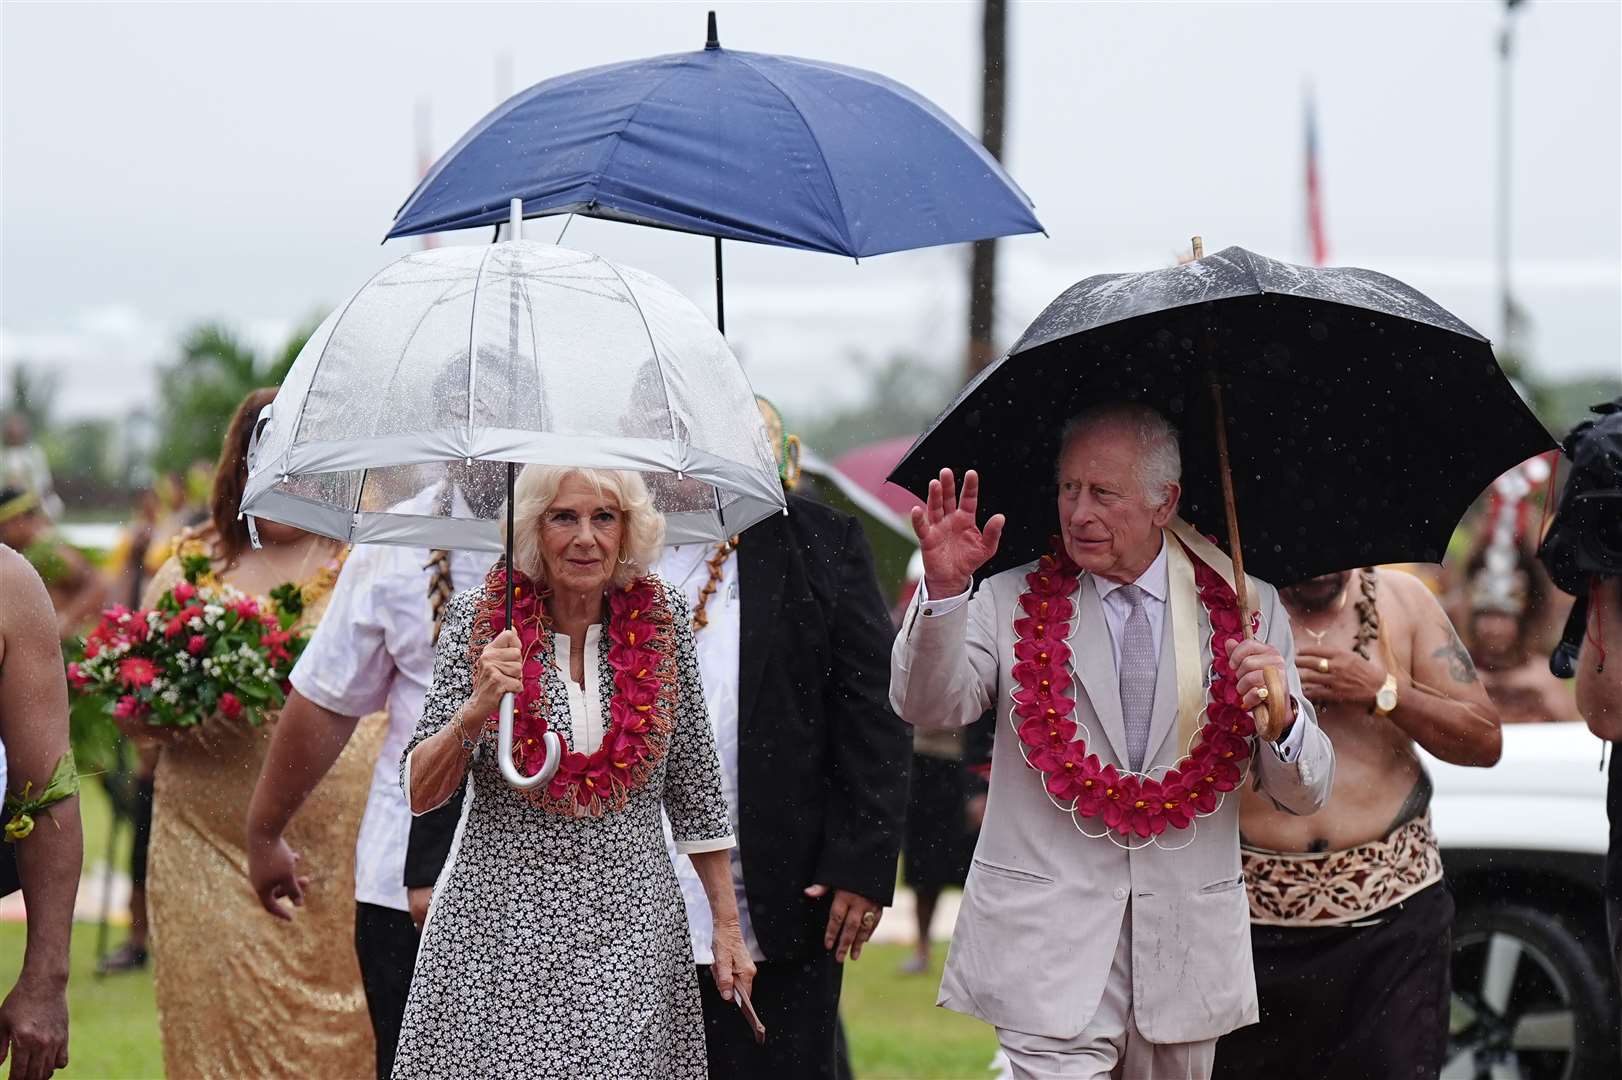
737 145
393 423
1364 418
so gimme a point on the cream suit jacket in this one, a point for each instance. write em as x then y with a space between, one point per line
1043 906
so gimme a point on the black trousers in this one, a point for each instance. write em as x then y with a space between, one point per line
386 945
1350 1002
798 1001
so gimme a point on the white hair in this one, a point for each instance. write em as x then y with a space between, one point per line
640 539
1160 463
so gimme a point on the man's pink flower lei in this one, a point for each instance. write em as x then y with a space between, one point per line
1129 804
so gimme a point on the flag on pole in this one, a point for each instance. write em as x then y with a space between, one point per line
1315 218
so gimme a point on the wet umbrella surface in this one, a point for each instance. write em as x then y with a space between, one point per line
1363 418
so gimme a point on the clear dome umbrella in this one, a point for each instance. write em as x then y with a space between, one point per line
403 419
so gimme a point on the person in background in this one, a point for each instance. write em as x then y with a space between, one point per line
373 651
1506 600
291 1000
1351 921
23 465
132 576
792 636
77 589
1599 699
48 847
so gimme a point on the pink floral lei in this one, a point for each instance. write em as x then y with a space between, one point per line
1129 804
641 707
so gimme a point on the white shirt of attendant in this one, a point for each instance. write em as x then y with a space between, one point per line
374 649
1155 584
686 568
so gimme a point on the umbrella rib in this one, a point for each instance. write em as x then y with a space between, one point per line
472 355
354 515
658 363
394 377
619 136
325 345
833 185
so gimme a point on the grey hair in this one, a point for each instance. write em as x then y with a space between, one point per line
1159 466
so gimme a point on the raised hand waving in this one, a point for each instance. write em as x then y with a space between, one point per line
953 544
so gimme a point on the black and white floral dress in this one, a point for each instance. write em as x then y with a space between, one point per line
558 946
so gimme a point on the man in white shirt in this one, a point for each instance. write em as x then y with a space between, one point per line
374 649
1094 948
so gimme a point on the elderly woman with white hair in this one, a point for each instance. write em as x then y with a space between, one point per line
557 943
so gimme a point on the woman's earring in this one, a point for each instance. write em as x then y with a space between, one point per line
626 561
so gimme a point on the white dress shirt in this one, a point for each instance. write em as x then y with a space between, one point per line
1155 584
686 568
373 649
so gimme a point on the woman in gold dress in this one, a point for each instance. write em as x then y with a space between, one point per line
238 994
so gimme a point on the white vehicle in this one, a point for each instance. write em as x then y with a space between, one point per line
1524 844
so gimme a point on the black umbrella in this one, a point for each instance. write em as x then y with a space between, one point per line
1364 417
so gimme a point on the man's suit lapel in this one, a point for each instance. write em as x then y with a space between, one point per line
1090 653
760 582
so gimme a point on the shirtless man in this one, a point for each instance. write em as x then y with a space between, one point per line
33 738
1350 921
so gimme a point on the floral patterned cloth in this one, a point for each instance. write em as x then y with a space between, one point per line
1333 888
558 946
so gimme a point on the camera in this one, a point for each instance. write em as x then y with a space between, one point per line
1585 538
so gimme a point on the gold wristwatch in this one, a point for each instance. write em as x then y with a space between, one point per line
1385 698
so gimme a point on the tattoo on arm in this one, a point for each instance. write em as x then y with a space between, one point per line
1459 664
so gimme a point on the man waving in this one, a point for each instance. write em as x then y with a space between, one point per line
1104 926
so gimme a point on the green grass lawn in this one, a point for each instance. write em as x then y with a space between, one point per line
895 1030
112 1022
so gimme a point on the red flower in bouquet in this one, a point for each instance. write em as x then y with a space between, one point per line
197 645
184 591
177 625
134 672
230 705
129 707
275 642
245 607
76 678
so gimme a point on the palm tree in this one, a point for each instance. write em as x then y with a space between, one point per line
202 388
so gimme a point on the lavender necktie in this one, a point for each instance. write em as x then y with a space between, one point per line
1137 675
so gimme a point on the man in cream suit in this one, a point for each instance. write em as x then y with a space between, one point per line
1095 953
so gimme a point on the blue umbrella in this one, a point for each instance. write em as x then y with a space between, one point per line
734 145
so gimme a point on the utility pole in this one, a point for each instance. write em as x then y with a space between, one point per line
1510 319
993 112
425 159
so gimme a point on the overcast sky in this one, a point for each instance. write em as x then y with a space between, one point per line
164 164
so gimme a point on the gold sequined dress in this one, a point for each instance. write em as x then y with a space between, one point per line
241 994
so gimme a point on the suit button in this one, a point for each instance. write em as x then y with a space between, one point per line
1120 894
929 611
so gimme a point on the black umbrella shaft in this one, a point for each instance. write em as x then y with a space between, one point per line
512 475
720 297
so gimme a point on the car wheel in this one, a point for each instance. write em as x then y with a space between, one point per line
1529 1000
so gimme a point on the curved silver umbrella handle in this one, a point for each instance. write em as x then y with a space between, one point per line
550 743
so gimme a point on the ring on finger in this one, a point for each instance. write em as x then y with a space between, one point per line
1323 666
869 920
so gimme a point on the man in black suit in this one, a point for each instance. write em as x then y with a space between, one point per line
793 640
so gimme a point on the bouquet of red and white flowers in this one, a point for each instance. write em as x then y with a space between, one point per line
204 648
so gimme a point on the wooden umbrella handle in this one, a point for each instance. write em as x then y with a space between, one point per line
1272 716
